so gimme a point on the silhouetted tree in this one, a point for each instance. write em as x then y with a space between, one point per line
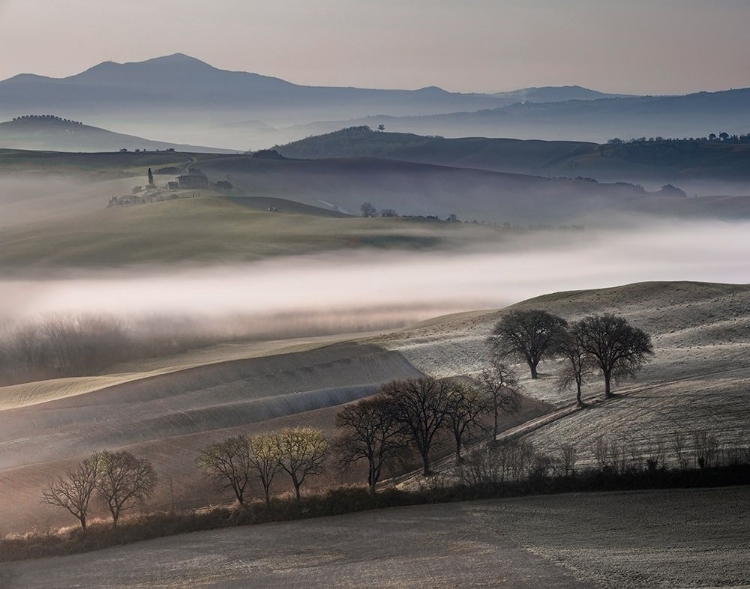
302 451
228 463
500 385
368 210
124 481
466 406
73 490
617 348
527 335
371 432
381 127
388 213
577 364
421 406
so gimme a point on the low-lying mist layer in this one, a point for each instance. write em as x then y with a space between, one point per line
82 323
344 283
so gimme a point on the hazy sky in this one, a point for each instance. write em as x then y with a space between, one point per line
638 46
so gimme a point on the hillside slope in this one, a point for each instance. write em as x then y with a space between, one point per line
169 417
49 133
662 161
698 380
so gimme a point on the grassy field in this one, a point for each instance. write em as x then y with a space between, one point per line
690 538
212 229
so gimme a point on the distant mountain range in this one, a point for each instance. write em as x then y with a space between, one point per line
52 133
189 101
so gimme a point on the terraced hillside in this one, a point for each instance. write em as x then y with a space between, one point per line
169 417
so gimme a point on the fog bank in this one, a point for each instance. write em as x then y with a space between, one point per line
400 285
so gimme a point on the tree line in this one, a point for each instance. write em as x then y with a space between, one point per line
405 419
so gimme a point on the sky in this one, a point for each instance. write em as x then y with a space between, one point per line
633 46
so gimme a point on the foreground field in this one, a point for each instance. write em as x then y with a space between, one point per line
691 538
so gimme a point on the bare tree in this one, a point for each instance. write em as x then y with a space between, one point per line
302 451
501 386
371 432
577 364
617 348
73 490
466 406
124 481
527 335
568 457
421 406
368 210
228 463
264 459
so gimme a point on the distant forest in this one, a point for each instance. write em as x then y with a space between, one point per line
46 118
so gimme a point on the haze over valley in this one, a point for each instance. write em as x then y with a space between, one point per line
416 294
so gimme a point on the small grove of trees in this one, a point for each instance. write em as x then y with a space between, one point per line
605 342
119 479
409 415
234 463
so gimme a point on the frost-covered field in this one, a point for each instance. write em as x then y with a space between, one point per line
686 538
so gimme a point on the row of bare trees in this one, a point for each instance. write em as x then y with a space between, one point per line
120 480
406 417
235 462
607 343
411 415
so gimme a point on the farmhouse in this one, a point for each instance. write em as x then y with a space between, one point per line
193 179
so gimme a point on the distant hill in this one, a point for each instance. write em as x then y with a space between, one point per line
343 184
51 133
190 101
692 115
657 161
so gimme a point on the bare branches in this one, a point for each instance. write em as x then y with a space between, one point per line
228 463
302 451
528 336
421 406
73 490
501 386
370 431
124 481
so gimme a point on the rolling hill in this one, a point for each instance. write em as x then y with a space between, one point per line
663 161
699 378
691 115
50 133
